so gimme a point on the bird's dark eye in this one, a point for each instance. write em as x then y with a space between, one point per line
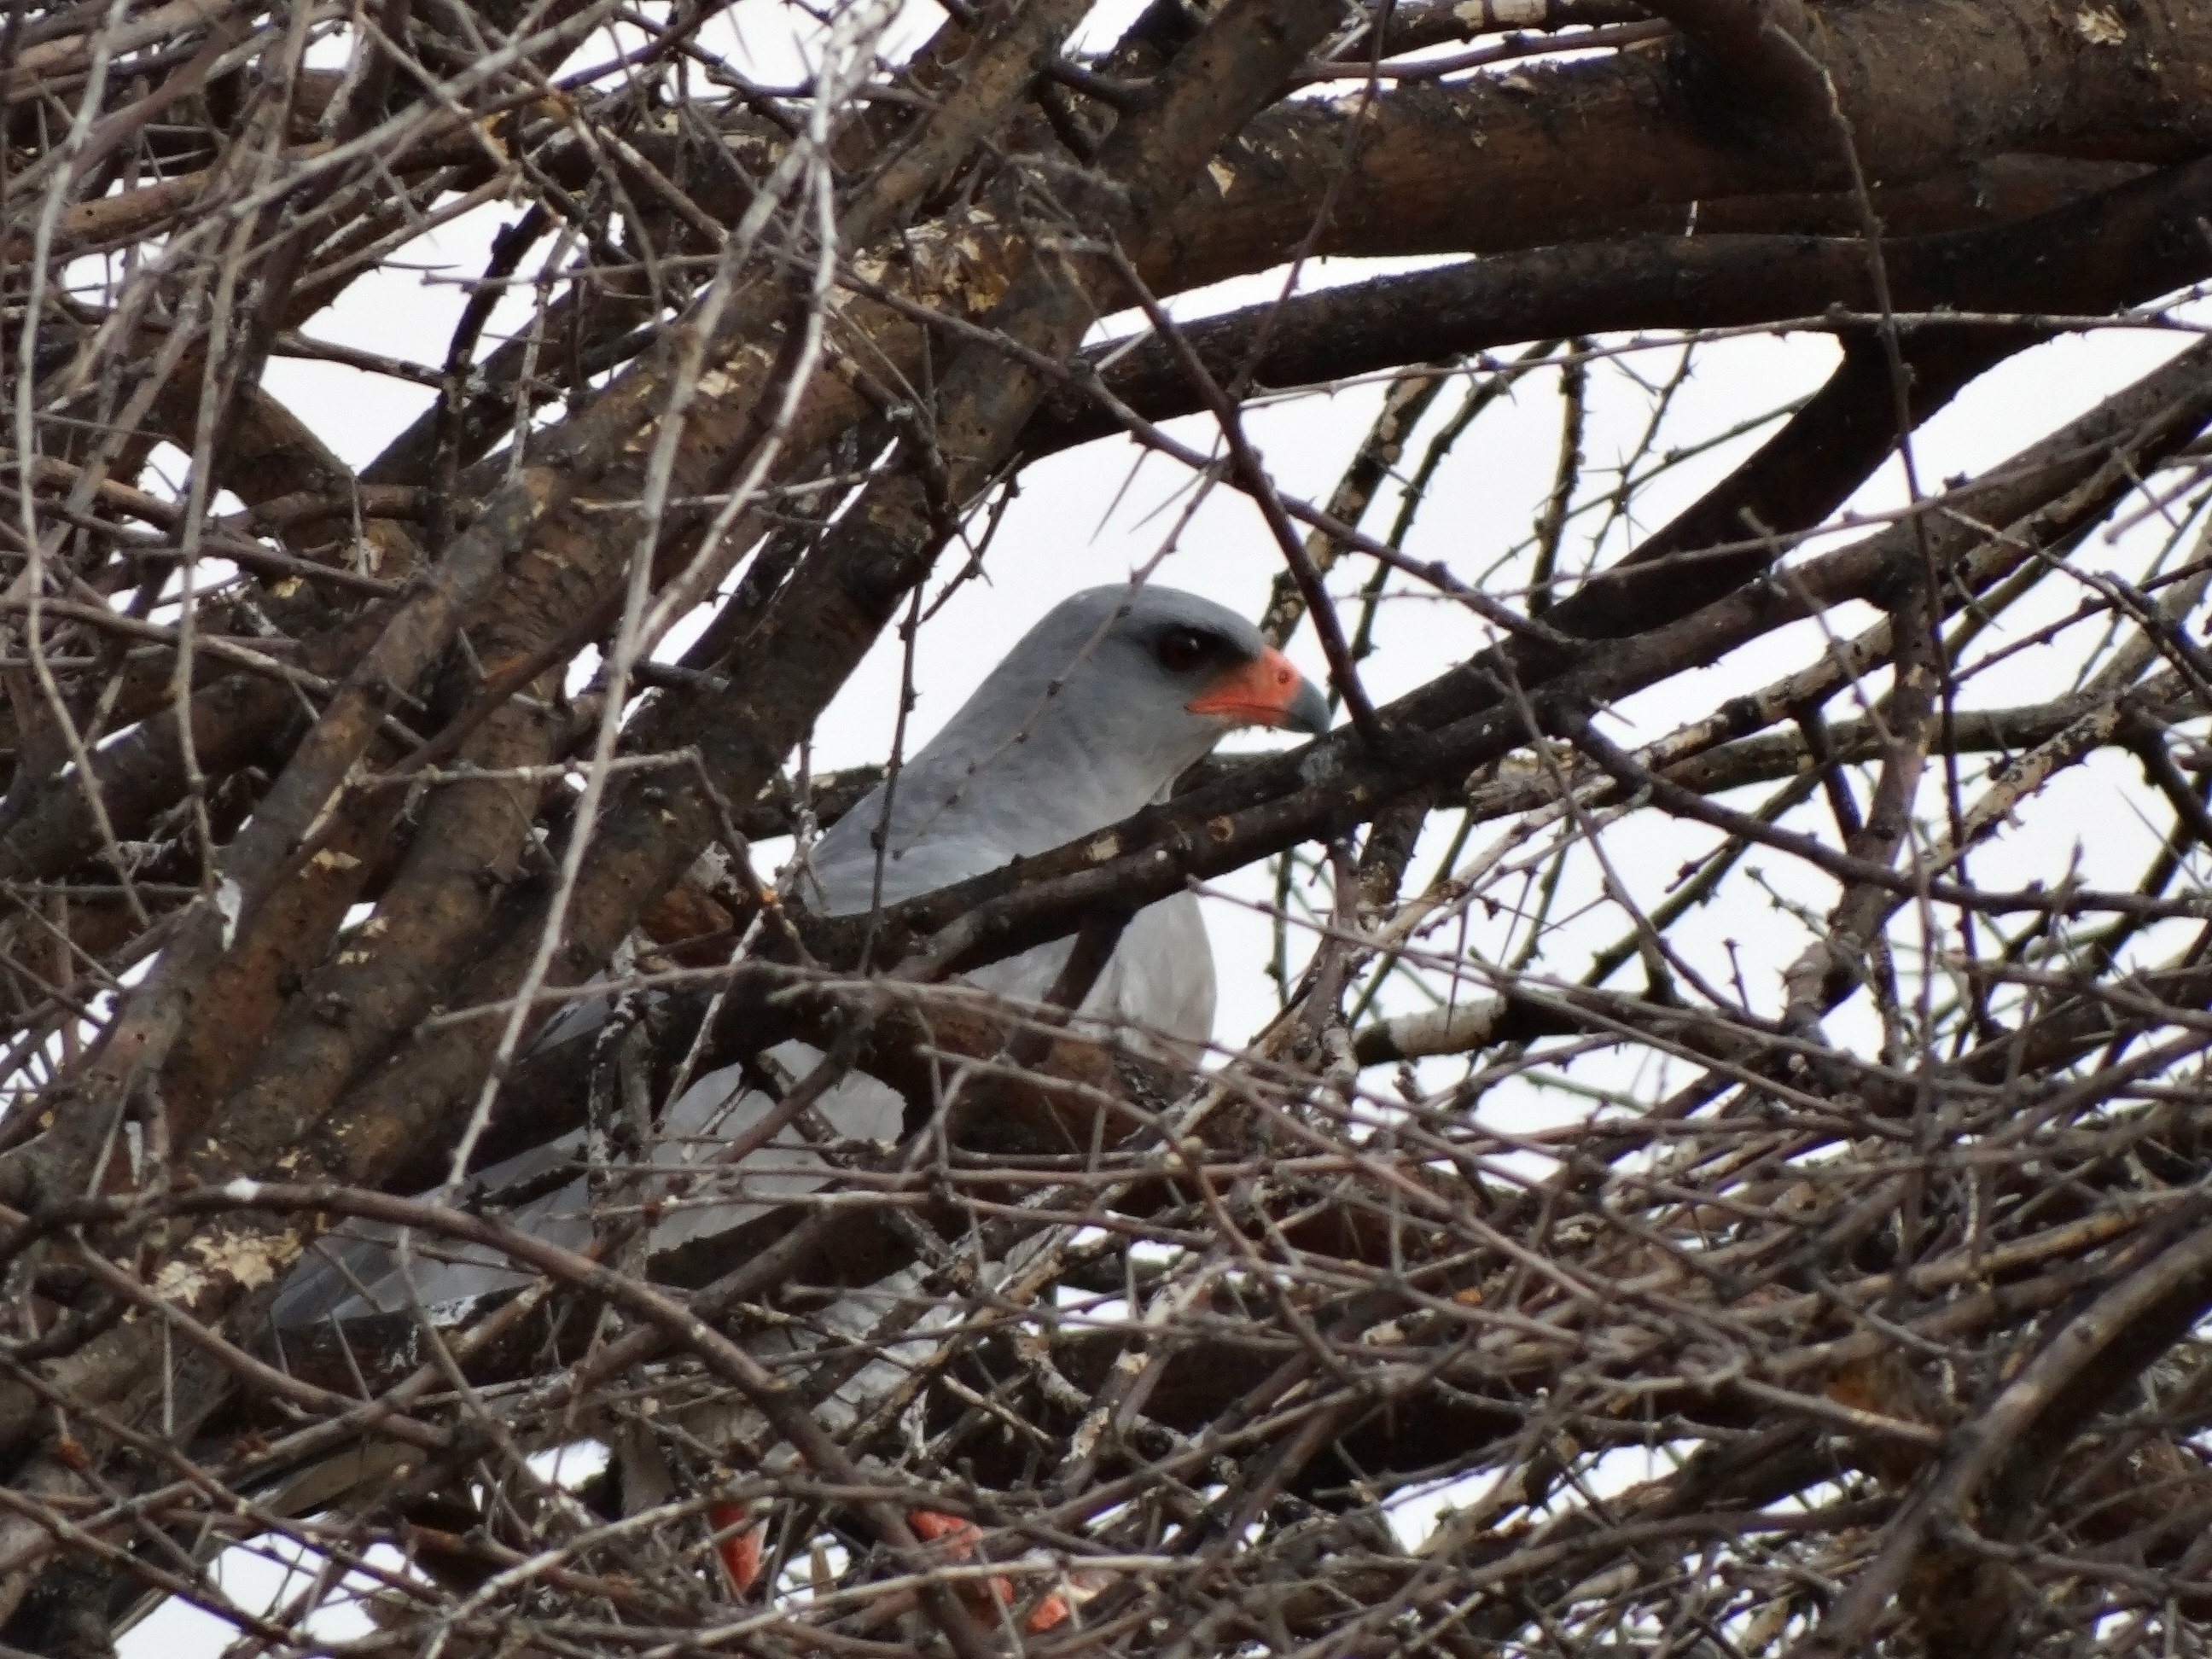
1181 650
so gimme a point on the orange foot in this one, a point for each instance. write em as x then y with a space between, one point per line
960 1538
740 1550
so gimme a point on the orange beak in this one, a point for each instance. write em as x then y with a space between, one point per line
1267 691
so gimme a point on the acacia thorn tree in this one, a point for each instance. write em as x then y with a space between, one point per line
1705 1150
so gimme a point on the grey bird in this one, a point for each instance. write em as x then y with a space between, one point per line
1092 714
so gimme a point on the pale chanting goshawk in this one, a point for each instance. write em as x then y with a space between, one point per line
1092 714
1095 712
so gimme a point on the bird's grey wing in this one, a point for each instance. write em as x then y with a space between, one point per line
440 1273
700 1197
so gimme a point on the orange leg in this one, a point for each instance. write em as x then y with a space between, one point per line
740 1551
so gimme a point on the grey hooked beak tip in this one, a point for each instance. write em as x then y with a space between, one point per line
1308 711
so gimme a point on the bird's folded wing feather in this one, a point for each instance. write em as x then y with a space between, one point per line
1158 982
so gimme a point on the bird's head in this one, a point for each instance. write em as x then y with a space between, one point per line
1094 712
1163 662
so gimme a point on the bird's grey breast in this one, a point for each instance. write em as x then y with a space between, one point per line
1160 977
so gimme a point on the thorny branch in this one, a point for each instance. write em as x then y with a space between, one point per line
1726 1174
